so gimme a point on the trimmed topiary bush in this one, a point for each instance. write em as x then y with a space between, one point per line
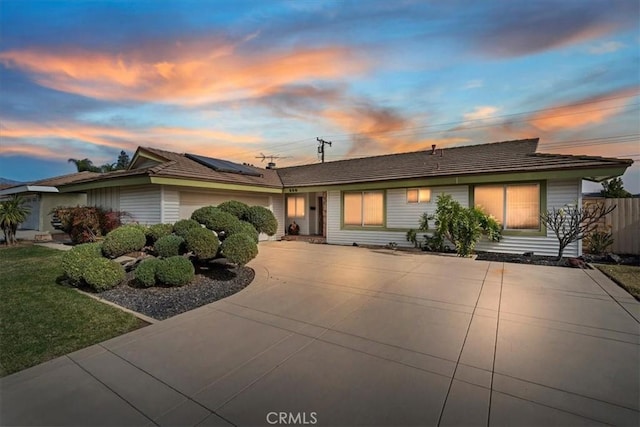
170 245
263 220
235 208
201 214
175 271
239 248
75 260
122 240
202 242
245 228
182 227
102 274
157 231
220 221
145 273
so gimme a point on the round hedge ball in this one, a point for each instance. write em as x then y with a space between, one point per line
175 271
145 273
124 239
102 274
239 248
169 246
202 242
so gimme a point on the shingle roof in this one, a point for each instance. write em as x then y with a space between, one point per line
497 157
59 180
176 165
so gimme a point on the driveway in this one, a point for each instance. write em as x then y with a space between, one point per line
352 336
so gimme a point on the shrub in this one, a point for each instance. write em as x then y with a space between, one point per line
461 226
598 242
122 240
202 242
102 274
85 223
218 220
201 214
145 273
175 271
239 249
75 260
170 245
157 231
184 225
263 220
245 228
235 208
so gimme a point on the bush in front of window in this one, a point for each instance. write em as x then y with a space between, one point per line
262 219
461 226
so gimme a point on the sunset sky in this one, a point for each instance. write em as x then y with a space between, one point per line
234 79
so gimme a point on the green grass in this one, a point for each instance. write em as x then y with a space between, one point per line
41 319
627 276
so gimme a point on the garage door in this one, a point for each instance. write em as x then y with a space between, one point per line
190 201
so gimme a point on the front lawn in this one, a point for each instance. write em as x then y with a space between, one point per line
627 276
40 319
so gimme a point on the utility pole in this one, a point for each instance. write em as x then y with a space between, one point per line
321 145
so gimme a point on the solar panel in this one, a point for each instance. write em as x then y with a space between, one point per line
223 165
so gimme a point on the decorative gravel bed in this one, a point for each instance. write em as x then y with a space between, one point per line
213 282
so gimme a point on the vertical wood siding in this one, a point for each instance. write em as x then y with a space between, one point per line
106 198
143 203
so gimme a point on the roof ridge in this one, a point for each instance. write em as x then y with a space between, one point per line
580 156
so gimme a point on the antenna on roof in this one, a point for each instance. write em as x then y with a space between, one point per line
271 164
321 145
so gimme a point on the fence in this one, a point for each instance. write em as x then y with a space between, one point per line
623 223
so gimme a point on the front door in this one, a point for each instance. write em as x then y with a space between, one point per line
320 210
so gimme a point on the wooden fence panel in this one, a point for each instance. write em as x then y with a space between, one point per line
623 223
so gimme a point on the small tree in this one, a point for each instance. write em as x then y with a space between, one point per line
571 223
12 213
614 189
123 161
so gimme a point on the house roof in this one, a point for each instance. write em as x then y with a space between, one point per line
168 164
48 185
497 157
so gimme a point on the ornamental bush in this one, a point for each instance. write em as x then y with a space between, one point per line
102 274
201 214
74 261
169 246
202 242
245 228
157 231
263 220
85 223
145 273
184 225
217 220
175 271
235 208
239 248
122 240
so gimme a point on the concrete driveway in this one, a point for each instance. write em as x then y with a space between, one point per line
354 336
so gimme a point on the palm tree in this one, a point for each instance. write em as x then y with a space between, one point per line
108 167
12 213
84 165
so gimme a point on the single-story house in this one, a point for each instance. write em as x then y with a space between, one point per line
43 195
370 200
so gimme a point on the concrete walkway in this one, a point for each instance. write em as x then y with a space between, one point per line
354 336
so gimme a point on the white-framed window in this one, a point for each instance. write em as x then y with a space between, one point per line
515 206
364 208
418 195
295 206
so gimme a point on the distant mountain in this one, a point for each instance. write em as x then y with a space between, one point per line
4 182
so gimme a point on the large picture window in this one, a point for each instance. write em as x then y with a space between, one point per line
364 208
515 206
295 206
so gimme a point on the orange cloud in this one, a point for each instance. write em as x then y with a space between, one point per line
592 111
191 73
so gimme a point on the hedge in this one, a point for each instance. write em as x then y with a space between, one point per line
245 228
145 273
157 231
235 208
75 260
263 220
184 225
